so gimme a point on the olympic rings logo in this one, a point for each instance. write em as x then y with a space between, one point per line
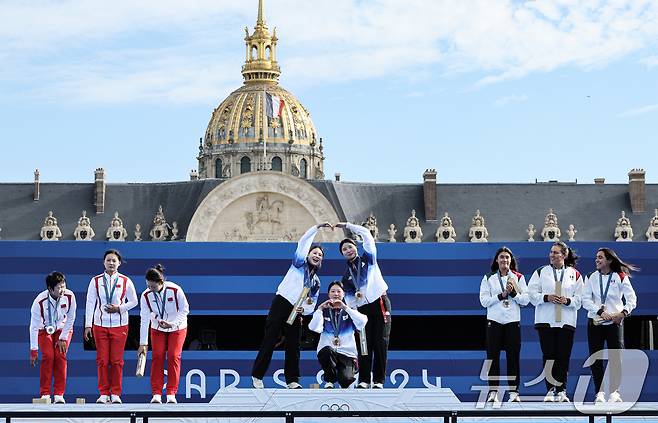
335 407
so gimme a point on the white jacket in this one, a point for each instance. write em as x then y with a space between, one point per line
61 311
496 311
542 283
176 310
374 285
124 296
292 284
620 286
351 319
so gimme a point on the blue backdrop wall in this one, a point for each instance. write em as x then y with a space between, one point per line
240 279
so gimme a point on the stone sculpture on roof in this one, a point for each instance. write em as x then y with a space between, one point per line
84 231
445 232
160 229
623 231
391 233
531 232
116 231
50 230
138 232
571 232
551 231
478 232
413 232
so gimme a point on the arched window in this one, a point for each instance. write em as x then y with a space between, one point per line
277 164
245 165
254 52
218 168
303 169
268 52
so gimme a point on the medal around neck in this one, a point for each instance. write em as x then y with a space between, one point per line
50 329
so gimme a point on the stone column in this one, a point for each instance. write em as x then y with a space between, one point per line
637 190
430 195
99 191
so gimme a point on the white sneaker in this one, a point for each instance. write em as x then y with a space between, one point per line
363 385
562 397
257 383
493 396
615 397
59 399
514 397
550 396
157 399
103 399
115 399
46 397
294 385
328 385
599 398
171 399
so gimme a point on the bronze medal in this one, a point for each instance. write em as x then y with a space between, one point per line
336 341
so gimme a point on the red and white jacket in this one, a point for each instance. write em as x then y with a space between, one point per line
176 310
62 311
124 296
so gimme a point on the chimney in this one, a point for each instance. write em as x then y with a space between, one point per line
637 191
36 185
99 191
194 176
337 176
429 194
599 181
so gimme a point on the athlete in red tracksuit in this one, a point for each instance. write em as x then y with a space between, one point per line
164 308
51 329
109 297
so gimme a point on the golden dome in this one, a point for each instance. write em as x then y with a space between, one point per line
260 118
241 118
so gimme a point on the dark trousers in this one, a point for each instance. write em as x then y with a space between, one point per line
274 325
556 345
613 336
377 336
506 338
337 367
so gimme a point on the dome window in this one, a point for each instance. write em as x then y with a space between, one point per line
277 164
245 165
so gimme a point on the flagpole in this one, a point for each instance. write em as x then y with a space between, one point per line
265 126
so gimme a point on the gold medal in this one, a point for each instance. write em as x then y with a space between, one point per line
309 301
358 295
336 341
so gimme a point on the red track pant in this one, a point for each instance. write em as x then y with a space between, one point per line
170 343
110 344
53 361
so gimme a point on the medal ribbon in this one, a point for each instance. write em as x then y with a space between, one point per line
500 280
160 299
357 279
561 276
335 321
604 294
52 322
109 295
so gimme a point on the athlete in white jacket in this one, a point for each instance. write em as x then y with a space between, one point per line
163 308
110 296
503 292
556 286
336 322
51 329
608 298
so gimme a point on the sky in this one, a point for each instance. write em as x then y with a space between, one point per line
483 91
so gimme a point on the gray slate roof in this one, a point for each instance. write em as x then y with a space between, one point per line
507 208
